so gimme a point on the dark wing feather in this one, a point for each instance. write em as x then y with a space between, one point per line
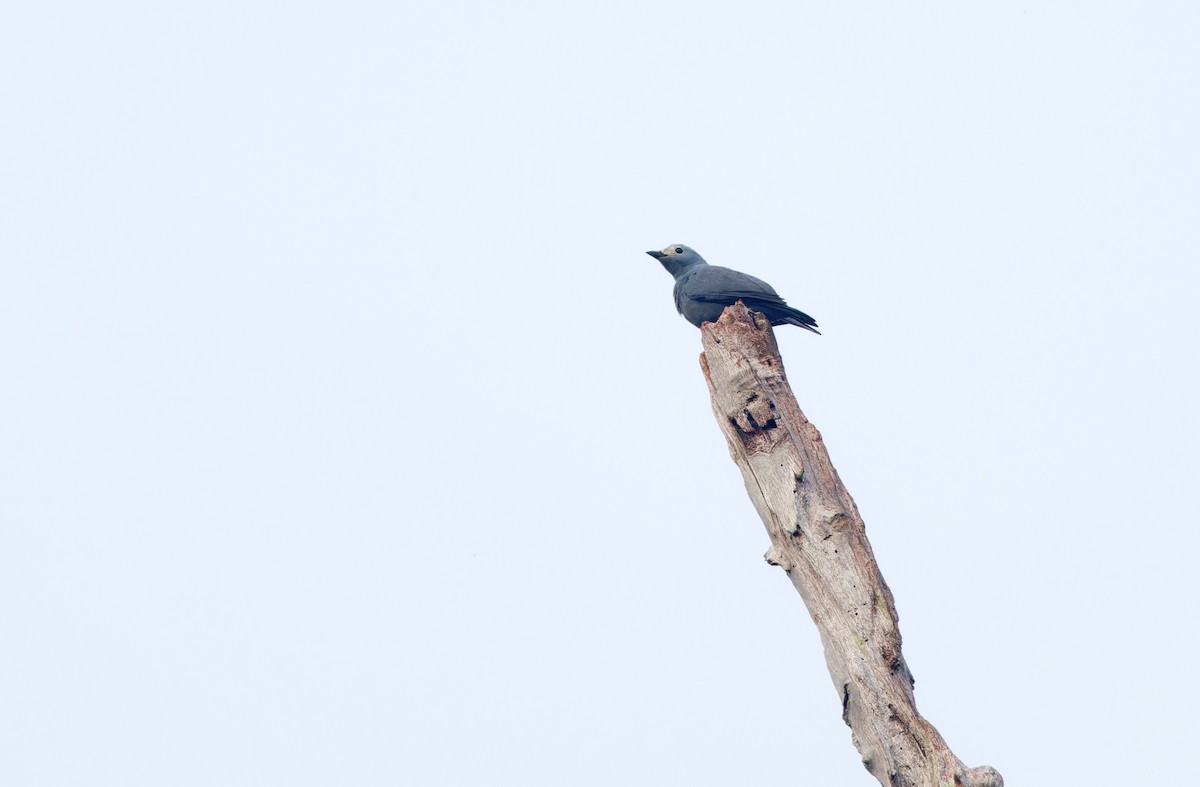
722 285
712 282
729 296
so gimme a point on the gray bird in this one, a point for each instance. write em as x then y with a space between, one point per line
702 291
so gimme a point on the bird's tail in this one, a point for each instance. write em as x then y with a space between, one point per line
803 320
786 315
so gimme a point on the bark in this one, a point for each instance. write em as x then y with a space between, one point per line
819 540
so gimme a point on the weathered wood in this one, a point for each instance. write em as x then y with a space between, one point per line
818 538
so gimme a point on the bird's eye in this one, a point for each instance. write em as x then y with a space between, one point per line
679 250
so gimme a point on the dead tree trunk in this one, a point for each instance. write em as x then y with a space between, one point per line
818 538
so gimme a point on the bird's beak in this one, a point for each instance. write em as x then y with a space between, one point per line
658 255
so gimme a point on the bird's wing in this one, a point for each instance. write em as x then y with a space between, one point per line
715 284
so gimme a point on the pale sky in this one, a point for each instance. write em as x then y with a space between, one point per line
350 436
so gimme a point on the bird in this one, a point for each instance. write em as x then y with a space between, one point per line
702 291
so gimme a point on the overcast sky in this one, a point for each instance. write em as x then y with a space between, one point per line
350 437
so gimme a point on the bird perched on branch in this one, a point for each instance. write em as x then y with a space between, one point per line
702 291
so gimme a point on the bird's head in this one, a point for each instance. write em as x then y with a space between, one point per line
677 258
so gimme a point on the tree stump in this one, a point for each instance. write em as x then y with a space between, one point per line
819 540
